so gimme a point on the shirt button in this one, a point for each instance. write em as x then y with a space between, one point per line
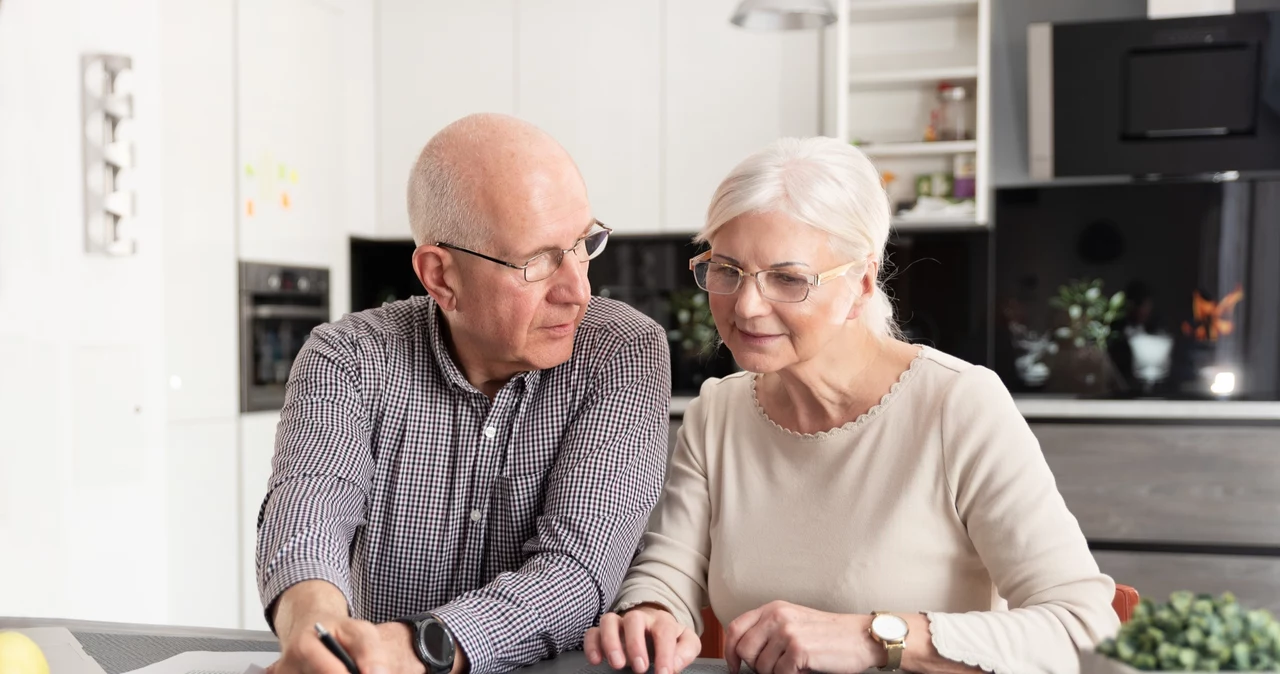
476 515
490 432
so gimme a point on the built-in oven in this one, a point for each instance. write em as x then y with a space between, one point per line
279 307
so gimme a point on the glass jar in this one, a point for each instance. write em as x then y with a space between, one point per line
953 120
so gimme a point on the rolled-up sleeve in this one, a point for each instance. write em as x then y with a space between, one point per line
321 473
604 483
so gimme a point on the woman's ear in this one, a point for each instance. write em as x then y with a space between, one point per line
866 290
435 269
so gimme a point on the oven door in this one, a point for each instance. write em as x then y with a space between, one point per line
271 336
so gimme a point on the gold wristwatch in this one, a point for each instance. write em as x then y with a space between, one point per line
891 631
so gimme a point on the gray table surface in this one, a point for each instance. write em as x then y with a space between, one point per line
567 663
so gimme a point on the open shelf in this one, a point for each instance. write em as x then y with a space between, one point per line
891 78
922 223
919 149
906 10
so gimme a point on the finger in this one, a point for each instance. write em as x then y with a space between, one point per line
688 647
789 663
665 632
752 643
364 645
733 634
635 629
611 640
591 646
309 656
765 662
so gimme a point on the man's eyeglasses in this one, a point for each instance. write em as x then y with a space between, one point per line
776 285
543 265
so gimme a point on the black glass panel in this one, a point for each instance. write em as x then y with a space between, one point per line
1195 264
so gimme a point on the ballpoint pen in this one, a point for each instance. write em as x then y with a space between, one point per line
336 648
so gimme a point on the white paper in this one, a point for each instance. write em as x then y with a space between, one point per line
205 662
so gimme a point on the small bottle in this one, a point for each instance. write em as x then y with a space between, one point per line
964 171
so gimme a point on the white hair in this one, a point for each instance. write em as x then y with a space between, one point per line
825 184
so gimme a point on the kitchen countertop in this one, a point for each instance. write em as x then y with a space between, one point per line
1041 409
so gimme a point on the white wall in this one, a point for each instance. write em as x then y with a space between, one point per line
82 407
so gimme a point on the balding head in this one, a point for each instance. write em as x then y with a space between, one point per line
483 171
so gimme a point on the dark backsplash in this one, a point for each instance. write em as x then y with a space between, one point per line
1196 261
938 282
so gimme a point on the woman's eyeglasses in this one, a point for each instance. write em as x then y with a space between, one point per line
776 285
543 265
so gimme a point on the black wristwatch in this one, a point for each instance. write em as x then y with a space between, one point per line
433 642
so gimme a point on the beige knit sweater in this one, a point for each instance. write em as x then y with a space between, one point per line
938 500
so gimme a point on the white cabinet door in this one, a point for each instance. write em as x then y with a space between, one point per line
437 61
257 445
729 92
204 545
291 130
199 193
590 74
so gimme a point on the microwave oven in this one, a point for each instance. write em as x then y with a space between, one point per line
1154 97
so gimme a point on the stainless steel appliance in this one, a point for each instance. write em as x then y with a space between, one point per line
279 306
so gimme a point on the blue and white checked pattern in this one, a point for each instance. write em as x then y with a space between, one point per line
513 519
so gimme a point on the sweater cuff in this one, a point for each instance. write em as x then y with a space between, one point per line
631 598
949 641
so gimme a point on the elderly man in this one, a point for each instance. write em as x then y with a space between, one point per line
468 474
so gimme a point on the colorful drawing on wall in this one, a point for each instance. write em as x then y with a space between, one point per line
268 182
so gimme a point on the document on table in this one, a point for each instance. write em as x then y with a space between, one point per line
205 662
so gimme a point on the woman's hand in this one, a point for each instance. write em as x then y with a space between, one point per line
782 638
624 640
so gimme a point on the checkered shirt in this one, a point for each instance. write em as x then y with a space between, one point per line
513 519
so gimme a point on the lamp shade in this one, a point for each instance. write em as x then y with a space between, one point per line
783 14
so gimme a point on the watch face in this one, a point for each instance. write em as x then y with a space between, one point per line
436 642
889 627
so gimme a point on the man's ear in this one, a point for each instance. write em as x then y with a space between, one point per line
439 276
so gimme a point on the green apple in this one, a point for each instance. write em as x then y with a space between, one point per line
20 655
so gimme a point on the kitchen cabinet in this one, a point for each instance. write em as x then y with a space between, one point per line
728 93
590 74
437 61
204 551
656 100
257 444
290 111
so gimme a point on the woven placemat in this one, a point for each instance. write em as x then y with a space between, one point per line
119 653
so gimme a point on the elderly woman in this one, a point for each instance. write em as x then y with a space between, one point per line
850 501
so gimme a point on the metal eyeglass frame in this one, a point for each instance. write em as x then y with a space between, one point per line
814 280
524 268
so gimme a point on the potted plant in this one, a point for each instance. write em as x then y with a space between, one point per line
1190 633
695 351
1084 366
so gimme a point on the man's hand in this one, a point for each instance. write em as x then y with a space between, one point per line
624 641
376 649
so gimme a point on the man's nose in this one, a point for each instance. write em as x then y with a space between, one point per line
570 282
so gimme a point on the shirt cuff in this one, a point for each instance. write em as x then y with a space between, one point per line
293 573
469 634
